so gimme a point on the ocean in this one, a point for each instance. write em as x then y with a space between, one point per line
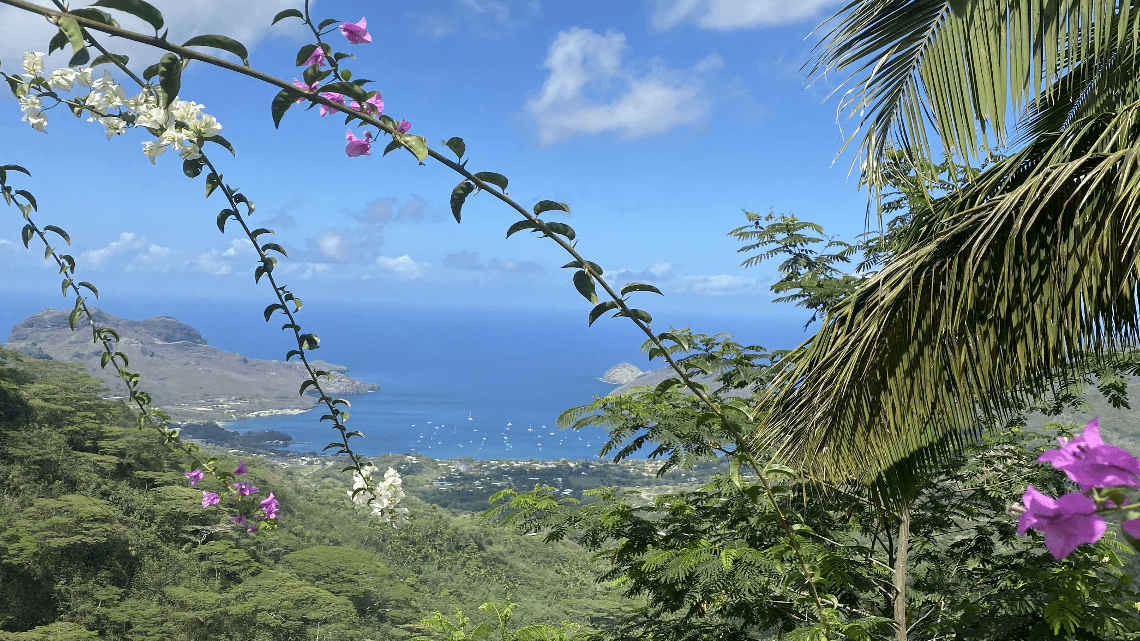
456 382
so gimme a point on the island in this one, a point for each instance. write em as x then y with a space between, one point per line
186 377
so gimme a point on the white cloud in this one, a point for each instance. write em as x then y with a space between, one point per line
247 22
126 242
489 19
652 102
730 15
719 285
403 267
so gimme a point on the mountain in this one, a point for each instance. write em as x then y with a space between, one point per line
184 375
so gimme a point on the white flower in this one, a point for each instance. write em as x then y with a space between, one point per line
185 111
153 149
112 93
83 77
189 151
36 119
382 498
30 102
33 64
115 126
173 138
62 79
154 118
206 127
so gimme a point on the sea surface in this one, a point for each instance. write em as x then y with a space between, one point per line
456 382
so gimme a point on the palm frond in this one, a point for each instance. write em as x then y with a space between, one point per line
924 73
1029 271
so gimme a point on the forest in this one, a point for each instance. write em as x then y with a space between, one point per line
891 477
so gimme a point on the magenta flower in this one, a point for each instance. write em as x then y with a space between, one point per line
239 519
356 33
357 146
316 58
404 126
241 468
1132 528
270 506
1066 522
1089 462
209 498
333 96
194 476
303 87
373 106
252 528
245 489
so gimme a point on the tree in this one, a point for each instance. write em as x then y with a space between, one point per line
1027 271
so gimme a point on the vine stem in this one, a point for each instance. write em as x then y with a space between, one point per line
742 441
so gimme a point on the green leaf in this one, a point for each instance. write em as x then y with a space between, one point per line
73 31
27 233
585 286
393 145
639 287
222 216
306 384
326 22
89 286
225 43
640 315
304 52
330 445
63 286
497 180
95 15
150 72
15 168
57 230
31 199
170 77
192 168
259 231
417 145
103 359
597 312
212 183
258 273
310 341
346 74
561 229
666 385
69 263
272 308
58 41
523 224
137 8
459 196
291 353
274 247
109 58
218 140
80 58
75 312
550 205
281 102
456 145
288 13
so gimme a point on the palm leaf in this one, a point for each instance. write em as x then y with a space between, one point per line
1030 271
944 76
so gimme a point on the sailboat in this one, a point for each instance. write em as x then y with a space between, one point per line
469 416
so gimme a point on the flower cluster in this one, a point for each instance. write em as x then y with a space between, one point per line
1076 517
269 505
181 126
383 497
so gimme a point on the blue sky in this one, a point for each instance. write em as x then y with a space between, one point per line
657 121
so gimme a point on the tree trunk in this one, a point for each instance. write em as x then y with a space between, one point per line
900 573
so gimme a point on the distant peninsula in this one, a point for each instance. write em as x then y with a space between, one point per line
187 378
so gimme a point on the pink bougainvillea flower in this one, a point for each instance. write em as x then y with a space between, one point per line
316 58
252 528
245 489
356 33
194 476
1131 527
333 96
1089 462
303 87
404 126
209 498
357 146
270 506
1066 522
239 519
373 106
241 468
